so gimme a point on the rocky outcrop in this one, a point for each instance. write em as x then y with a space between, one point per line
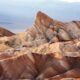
49 50
69 75
5 32
36 67
70 48
47 26
55 29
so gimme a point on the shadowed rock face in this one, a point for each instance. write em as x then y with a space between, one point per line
37 67
49 50
5 32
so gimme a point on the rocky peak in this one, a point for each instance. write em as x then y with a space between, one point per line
49 50
50 28
44 20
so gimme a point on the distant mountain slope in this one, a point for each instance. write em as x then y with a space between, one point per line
5 32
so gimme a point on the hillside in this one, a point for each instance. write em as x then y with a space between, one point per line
5 32
48 50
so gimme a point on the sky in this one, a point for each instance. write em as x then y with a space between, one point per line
18 15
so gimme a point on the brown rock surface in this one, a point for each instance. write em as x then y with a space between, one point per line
49 50
70 75
51 28
35 66
5 32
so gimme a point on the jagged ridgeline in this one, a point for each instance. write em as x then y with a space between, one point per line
48 50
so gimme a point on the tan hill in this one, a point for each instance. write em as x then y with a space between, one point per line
5 32
49 50
3 47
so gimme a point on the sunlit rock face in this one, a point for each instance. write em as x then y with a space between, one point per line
48 50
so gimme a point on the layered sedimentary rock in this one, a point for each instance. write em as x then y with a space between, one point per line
36 67
49 50
5 32
51 28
